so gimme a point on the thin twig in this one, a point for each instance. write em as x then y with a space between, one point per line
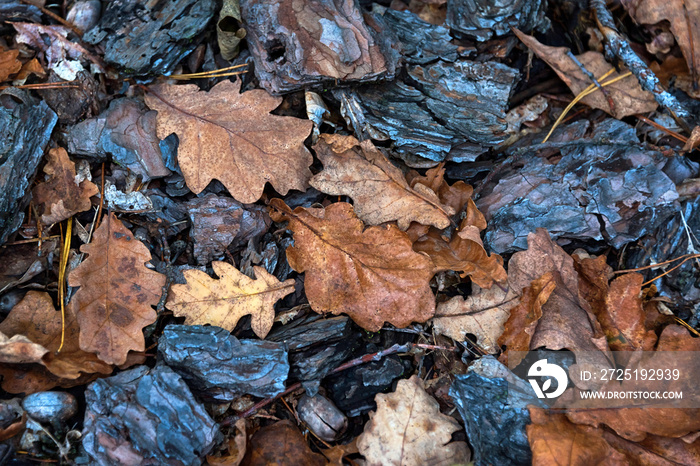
618 47
590 75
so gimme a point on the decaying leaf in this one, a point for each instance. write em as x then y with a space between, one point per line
683 17
409 429
222 302
116 292
553 438
483 313
627 95
371 274
567 320
62 195
232 137
9 64
378 188
36 319
281 443
18 349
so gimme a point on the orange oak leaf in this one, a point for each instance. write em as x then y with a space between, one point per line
61 196
222 302
116 292
36 318
464 253
378 188
554 439
371 274
9 64
232 137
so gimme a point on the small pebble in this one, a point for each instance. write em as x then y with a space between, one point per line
322 417
50 407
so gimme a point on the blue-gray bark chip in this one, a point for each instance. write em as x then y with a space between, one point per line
218 366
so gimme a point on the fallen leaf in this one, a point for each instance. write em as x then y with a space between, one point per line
61 196
9 64
409 429
371 274
521 324
19 349
656 450
281 444
232 137
464 253
222 302
683 17
454 196
378 188
627 95
116 292
235 447
36 318
553 440
483 314
567 321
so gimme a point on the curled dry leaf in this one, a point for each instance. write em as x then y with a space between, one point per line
116 292
627 95
378 188
9 64
483 314
552 438
409 429
567 320
62 196
222 302
372 274
36 318
232 137
18 349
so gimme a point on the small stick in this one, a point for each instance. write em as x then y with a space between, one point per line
605 92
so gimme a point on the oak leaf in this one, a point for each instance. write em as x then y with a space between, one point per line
627 95
371 274
378 188
36 318
553 438
232 137
409 429
116 292
9 64
61 196
280 443
567 320
222 302
483 314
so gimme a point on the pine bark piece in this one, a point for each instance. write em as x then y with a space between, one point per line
409 429
61 196
222 302
116 292
371 274
231 137
302 44
378 188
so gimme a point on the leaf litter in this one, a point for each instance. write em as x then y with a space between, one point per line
243 271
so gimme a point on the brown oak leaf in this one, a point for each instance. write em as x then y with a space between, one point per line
61 196
553 440
567 320
409 429
232 137
9 64
371 274
378 188
36 318
222 302
116 292
627 95
282 444
483 314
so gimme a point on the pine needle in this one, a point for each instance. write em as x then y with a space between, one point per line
223 72
62 279
587 91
